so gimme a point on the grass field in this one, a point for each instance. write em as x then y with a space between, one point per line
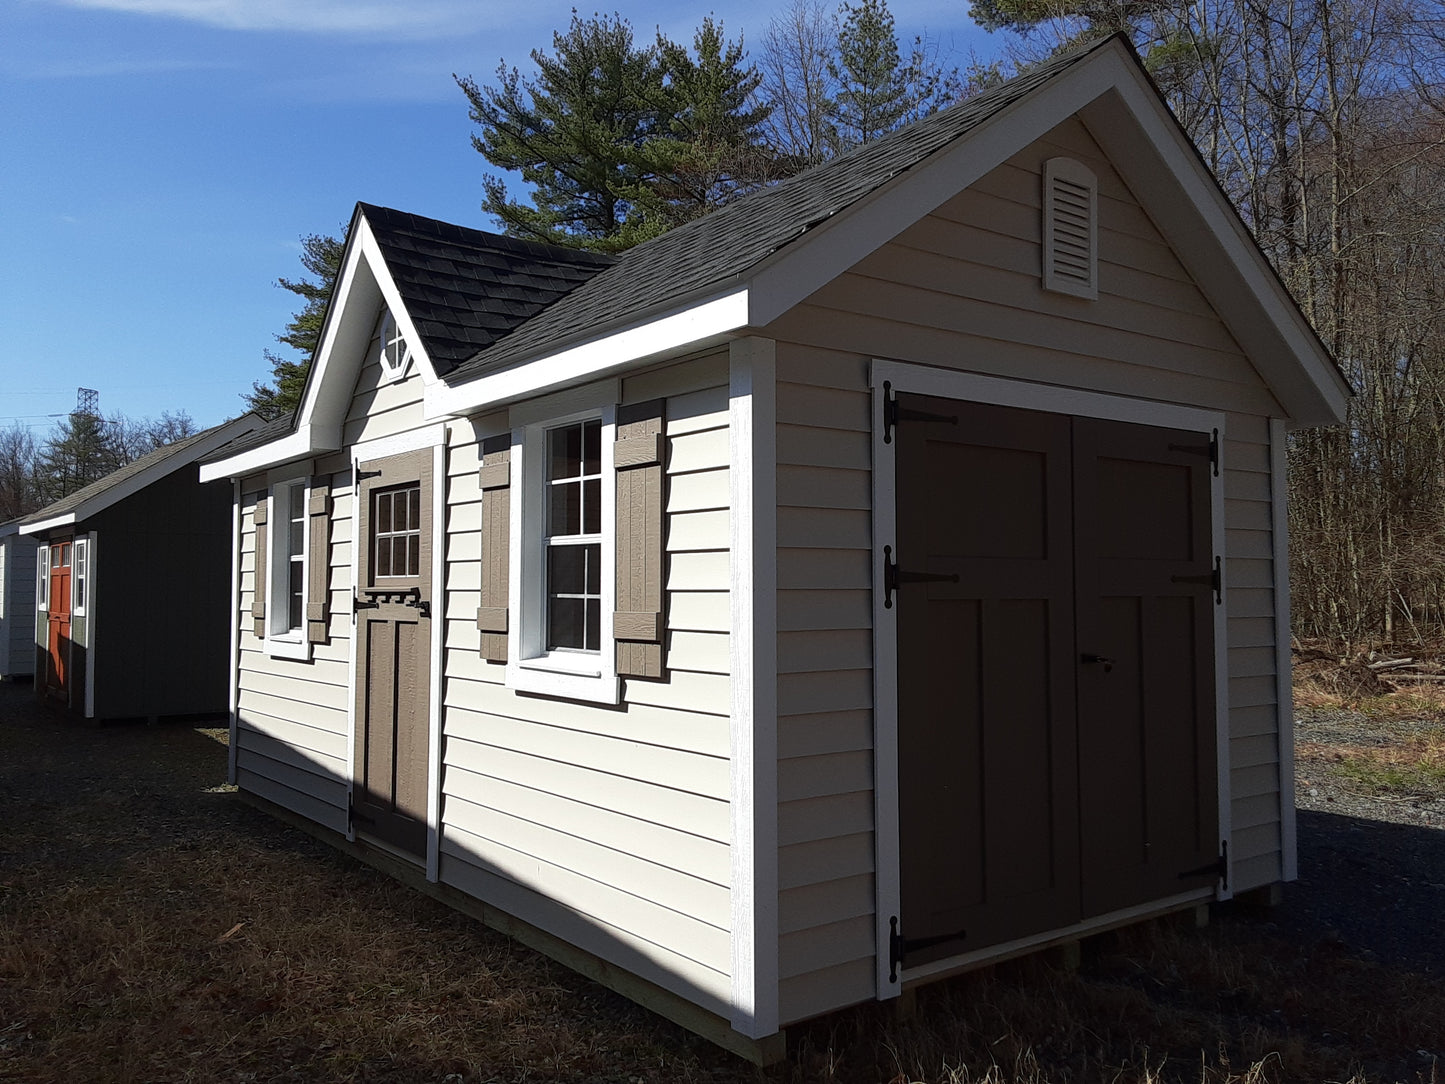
153 928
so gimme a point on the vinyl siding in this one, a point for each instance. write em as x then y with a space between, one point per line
292 714
607 826
17 605
961 289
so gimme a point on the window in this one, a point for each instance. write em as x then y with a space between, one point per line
563 585
78 577
285 608
395 354
396 536
42 578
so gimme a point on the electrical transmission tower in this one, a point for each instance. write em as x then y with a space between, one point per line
87 401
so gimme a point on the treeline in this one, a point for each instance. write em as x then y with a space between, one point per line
81 448
1323 122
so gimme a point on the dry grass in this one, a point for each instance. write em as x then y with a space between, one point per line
155 929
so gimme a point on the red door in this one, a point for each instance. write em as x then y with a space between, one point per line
58 640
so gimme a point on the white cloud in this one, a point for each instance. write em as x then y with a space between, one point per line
411 18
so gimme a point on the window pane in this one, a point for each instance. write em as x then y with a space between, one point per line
294 610
383 557
565 620
383 513
592 447
564 516
592 506
594 568
298 502
413 555
55 557
567 570
413 519
296 536
565 456
594 624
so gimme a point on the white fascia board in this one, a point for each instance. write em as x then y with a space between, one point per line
157 470
691 326
292 446
48 524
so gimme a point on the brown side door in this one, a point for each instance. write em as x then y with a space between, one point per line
1144 557
57 667
1035 787
393 650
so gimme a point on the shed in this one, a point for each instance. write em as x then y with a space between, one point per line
17 602
879 576
104 646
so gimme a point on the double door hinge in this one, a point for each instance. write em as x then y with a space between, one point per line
1211 450
893 576
899 946
1213 580
893 414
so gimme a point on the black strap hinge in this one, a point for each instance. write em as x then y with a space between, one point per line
363 474
356 817
1211 450
359 603
899 946
1219 867
893 414
893 576
1213 580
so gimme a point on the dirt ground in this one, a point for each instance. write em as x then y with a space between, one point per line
155 928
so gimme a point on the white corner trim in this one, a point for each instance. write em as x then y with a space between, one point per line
438 638
47 524
1284 678
233 684
91 609
753 729
351 674
1219 539
692 325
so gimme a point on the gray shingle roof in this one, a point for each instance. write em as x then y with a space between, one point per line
100 486
726 244
263 434
465 289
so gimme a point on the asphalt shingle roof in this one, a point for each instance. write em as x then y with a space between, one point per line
729 242
100 486
466 289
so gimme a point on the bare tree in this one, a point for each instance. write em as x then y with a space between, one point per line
18 492
796 61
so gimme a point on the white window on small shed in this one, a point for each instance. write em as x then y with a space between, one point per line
79 578
1071 228
395 354
42 578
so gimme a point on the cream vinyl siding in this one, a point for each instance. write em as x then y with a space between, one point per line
291 714
606 826
961 289
380 409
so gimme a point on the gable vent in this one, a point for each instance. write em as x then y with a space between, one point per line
1071 229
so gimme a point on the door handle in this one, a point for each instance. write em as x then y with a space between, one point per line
1107 663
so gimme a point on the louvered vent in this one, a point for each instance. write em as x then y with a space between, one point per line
1071 232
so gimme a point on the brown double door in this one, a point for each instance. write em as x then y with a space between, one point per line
57 655
393 650
1055 670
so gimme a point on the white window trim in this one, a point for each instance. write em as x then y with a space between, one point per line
286 643
530 667
42 579
79 581
390 333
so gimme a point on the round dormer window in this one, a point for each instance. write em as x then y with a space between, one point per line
395 356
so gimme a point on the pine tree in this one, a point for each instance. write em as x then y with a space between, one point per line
80 451
873 94
321 257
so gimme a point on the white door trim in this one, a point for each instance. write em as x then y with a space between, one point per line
886 377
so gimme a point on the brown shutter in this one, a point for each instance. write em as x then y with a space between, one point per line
262 578
318 562
495 479
639 457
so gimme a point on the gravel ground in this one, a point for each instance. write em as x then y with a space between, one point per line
1371 867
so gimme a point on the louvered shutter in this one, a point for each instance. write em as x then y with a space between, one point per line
495 480
261 579
1070 228
318 562
639 458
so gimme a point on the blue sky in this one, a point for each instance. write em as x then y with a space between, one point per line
162 158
